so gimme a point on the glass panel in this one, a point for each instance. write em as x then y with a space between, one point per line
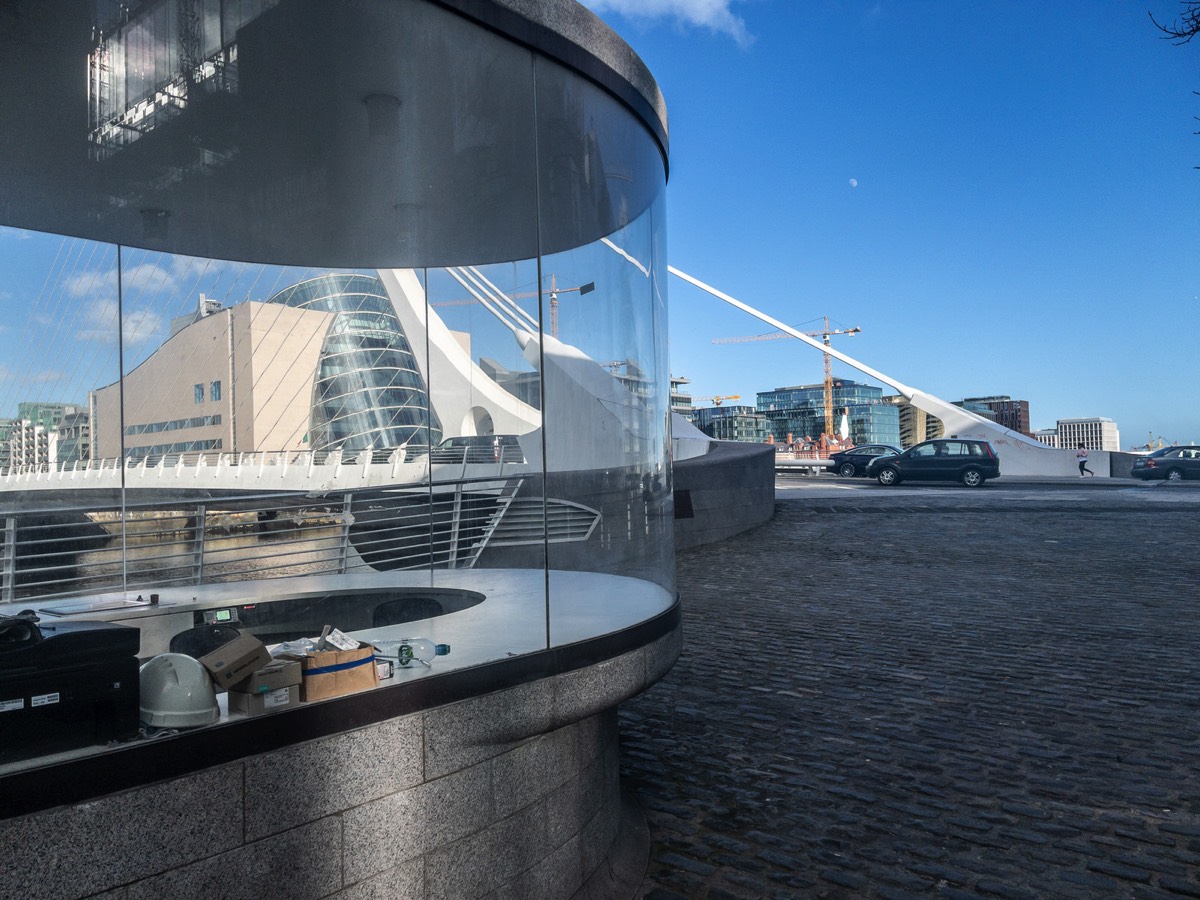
606 380
306 457
310 435
485 352
59 333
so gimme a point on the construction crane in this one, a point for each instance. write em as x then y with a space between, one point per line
717 401
1152 444
824 334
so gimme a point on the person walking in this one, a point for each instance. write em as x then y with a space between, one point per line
1081 455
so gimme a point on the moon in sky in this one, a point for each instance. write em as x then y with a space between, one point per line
853 182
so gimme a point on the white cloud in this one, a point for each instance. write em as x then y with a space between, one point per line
143 277
714 15
100 324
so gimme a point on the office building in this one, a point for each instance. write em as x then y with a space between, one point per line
732 423
681 396
1002 410
916 425
1095 433
799 412
1047 436
322 365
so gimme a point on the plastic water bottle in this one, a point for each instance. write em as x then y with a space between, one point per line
410 650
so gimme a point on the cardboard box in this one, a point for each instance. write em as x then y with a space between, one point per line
331 673
265 701
232 662
278 673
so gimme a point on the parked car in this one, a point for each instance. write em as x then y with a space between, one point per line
946 459
1169 464
853 462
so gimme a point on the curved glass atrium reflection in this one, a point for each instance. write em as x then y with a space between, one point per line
368 393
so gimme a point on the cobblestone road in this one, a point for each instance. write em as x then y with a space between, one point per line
885 695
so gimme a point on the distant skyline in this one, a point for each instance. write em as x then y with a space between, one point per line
1002 197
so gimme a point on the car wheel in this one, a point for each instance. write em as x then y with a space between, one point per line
847 470
972 478
888 476
1175 475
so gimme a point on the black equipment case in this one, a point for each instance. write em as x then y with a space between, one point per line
66 685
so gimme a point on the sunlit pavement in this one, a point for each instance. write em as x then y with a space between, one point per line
932 690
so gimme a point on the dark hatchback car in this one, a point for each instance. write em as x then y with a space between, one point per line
971 462
1169 464
852 462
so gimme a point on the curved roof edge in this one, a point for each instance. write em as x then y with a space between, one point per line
576 37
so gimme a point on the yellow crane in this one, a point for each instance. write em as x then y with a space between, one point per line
824 334
717 401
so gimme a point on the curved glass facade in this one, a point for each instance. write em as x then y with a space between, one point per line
369 317
369 392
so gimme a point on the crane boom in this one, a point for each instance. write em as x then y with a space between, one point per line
824 334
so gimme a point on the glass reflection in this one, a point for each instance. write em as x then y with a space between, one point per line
480 448
369 392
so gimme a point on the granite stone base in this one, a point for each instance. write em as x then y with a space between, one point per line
515 793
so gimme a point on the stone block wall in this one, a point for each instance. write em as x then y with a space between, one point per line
723 493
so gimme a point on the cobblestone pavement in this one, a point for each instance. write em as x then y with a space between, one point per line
893 695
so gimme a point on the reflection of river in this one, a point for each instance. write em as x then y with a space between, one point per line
156 560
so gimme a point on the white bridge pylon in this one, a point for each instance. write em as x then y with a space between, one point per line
1019 455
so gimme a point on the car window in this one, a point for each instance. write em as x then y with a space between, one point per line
975 449
955 448
923 450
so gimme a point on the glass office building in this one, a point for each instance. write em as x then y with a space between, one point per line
732 423
800 412
369 392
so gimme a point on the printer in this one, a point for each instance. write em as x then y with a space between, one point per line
65 685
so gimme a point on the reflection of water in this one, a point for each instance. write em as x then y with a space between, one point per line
163 559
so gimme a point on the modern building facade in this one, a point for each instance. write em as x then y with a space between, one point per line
1095 433
332 372
1003 410
800 412
681 395
235 380
1047 436
44 433
732 423
916 425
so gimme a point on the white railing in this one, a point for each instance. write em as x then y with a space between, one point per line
306 470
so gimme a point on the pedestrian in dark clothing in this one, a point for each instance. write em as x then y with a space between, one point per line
1081 455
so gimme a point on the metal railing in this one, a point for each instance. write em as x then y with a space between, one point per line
52 553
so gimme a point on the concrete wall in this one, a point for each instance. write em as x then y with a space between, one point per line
509 794
1119 462
723 493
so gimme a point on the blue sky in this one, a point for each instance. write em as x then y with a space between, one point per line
1002 196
